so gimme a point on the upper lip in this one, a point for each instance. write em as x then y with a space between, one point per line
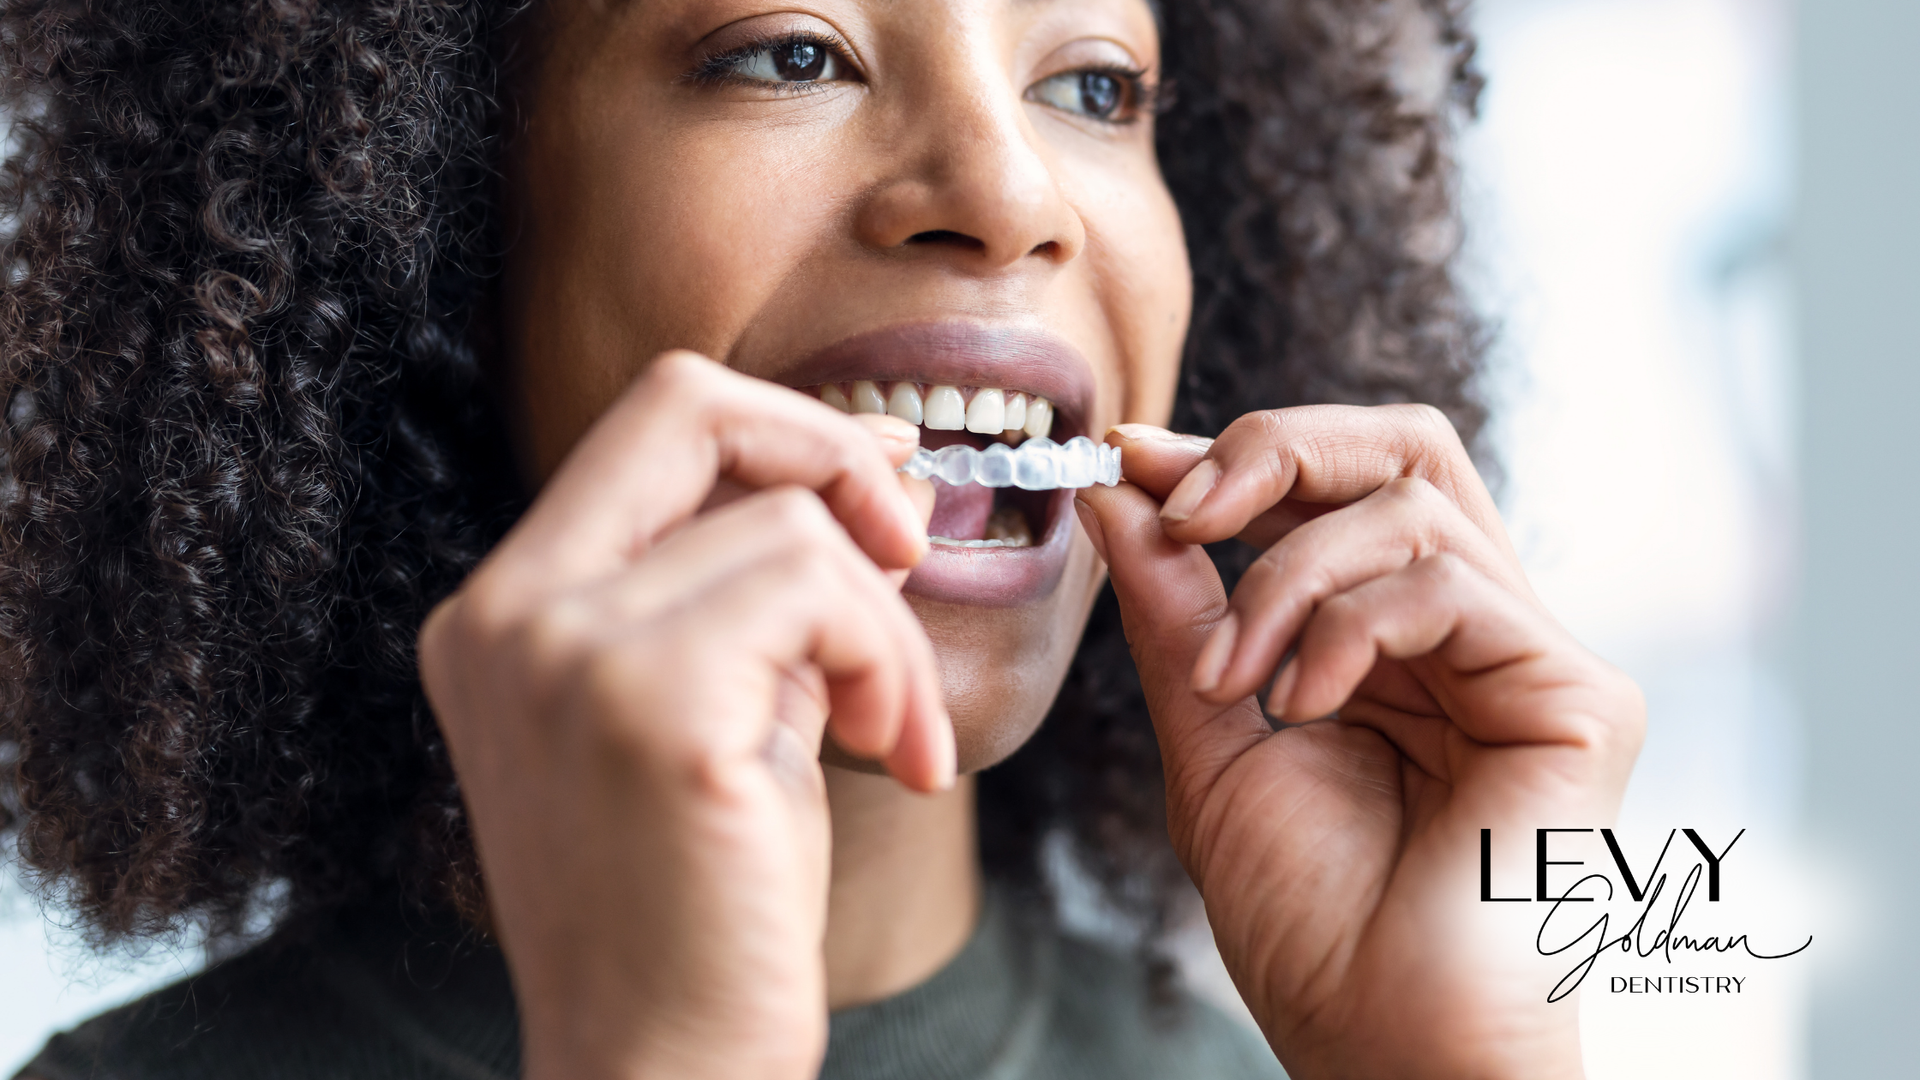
959 354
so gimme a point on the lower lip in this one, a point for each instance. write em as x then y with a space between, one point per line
998 577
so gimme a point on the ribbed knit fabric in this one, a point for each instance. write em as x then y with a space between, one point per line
374 995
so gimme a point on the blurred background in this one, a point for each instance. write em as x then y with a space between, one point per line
1695 224
1631 192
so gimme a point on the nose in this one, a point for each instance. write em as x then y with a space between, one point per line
969 178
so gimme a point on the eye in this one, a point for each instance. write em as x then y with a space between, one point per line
1108 94
797 59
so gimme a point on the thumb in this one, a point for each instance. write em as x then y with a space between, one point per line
1171 599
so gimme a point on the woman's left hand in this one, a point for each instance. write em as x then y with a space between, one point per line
1339 856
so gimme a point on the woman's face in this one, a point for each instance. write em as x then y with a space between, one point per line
912 194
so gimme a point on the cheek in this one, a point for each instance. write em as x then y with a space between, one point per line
706 232
638 241
1137 256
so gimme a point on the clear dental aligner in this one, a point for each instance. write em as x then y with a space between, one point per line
1039 464
1023 457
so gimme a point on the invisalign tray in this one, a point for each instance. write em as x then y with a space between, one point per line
1038 465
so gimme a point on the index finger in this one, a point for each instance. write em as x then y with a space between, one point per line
1155 460
651 460
1317 455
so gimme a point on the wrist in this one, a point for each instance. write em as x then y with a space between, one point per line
630 1045
661 1062
1483 1057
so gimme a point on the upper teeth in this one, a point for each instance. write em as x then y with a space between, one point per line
947 408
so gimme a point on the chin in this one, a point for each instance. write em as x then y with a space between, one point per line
1002 665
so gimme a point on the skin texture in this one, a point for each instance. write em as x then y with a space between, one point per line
1337 858
253 436
756 226
637 684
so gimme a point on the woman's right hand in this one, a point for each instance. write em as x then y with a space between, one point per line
634 688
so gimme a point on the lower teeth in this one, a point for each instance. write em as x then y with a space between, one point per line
1006 527
948 541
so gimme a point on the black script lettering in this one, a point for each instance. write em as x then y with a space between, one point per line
1670 939
1665 941
1571 980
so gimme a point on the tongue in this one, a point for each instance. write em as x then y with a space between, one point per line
960 513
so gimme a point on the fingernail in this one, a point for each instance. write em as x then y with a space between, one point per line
1141 432
1149 433
890 429
1212 662
1191 492
1283 689
1091 523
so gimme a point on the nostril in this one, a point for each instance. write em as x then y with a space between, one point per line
947 236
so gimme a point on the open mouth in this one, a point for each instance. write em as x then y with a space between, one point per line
991 512
976 391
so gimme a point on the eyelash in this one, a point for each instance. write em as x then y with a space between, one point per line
1143 96
719 69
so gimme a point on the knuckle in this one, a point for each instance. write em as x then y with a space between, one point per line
1612 725
1414 493
1272 565
815 568
1420 511
796 566
1260 438
679 375
706 769
1430 434
1268 425
476 617
599 675
797 514
1426 420
553 635
1299 563
1447 570
1202 621
605 698
677 366
1410 487
437 627
1341 611
613 689
850 454
1625 723
438 647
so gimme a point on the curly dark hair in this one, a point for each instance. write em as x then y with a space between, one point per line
248 443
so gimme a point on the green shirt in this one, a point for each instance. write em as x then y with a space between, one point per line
371 994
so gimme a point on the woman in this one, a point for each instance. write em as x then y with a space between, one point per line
298 317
